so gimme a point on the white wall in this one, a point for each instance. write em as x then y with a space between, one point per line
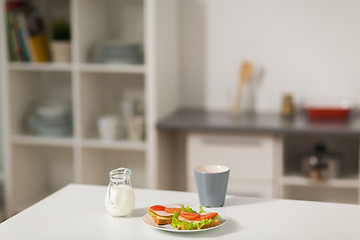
307 47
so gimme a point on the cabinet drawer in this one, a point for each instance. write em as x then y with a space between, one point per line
248 156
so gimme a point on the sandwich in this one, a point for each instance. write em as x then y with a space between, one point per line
188 219
183 218
162 214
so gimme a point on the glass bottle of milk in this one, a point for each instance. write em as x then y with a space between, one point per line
120 197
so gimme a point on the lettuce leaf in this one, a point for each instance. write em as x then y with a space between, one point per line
187 209
176 223
201 209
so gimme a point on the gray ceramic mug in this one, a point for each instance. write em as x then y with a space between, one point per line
212 181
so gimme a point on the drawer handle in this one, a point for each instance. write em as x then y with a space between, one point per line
232 141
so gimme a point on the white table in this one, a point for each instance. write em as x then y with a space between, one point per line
78 212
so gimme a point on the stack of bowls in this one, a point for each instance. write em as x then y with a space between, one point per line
118 52
51 120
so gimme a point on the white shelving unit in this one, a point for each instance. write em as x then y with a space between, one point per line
36 166
42 141
49 67
100 68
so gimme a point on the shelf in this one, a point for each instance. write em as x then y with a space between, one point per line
109 20
350 182
43 141
53 67
116 145
113 68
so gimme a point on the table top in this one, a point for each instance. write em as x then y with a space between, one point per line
78 212
201 120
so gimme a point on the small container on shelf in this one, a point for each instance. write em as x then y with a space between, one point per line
132 111
327 109
287 107
108 127
135 127
60 41
320 164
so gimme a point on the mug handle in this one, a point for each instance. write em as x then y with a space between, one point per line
111 186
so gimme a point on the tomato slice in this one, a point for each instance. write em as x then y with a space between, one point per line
189 215
172 210
157 208
207 216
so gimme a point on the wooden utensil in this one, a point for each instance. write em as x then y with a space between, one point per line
244 76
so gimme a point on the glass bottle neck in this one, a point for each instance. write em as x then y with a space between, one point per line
120 176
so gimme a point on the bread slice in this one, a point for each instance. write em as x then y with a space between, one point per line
214 223
158 219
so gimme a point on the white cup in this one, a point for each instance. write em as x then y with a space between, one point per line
107 127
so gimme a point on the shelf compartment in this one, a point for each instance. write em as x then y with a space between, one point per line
115 20
316 193
351 182
120 145
49 12
42 141
38 171
345 147
50 67
27 89
101 94
113 68
97 163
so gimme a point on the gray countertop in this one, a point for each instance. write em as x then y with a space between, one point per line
200 120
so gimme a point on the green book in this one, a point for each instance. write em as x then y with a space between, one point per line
11 43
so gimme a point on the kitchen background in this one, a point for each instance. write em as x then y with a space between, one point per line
306 48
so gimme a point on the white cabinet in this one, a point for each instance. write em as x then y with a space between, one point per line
250 158
36 166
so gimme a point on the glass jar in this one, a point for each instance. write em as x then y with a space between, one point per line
287 108
120 197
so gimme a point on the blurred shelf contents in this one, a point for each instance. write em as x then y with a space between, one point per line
117 52
60 40
287 109
51 119
320 164
27 40
132 110
332 109
129 123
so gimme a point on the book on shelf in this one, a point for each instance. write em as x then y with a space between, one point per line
11 38
27 41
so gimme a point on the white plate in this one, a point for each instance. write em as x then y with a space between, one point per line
147 219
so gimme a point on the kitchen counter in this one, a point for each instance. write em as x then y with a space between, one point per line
78 212
200 120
